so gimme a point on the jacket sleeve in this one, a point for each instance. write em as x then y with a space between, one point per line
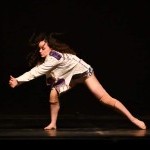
40 70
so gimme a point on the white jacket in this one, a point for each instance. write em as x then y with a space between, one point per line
57 66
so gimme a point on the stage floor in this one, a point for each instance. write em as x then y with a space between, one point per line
72 129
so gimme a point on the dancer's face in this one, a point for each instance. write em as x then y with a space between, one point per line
44 49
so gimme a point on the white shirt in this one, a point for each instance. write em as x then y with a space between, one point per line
58 66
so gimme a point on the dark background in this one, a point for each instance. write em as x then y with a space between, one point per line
111 36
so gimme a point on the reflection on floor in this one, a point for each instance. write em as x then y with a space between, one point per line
103 130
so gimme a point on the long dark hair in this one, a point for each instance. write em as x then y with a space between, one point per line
55 40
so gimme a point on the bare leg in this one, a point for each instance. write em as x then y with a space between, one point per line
97 89
54 109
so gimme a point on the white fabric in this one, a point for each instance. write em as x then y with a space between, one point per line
63 68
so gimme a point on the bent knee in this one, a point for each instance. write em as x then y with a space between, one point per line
53 101
53 97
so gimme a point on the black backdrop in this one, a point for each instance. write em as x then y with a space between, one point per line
111 36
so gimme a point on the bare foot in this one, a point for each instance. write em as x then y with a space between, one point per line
139 123
50 127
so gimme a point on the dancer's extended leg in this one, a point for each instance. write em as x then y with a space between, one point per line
97 89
